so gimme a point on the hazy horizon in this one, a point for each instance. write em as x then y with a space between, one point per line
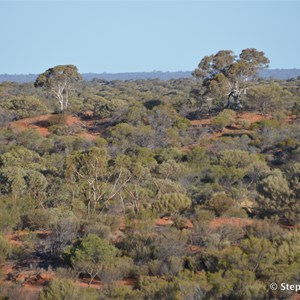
133 72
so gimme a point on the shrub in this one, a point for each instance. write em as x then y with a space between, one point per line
59 289
107 109
244 123
58 129
91 255
58 119
180 223
224 119
220 203
172 203
25 107
36 219
182 124
5 249
296 108
9 215
157 288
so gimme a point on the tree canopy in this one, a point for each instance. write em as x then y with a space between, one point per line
225 75
59 80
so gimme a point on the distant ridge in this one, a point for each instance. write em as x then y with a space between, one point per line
280 74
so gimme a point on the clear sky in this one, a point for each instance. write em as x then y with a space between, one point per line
124 36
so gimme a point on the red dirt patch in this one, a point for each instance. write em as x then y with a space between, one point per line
98 284
252 117
201 122
189 224
196 249
164 221
15 236
39 124
6 269
237 222
71 120
31 123
168 221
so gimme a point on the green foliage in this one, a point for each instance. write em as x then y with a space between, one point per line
9 214
99 197
224 73
157 288
60 289
36 219
59 80
57 119
20 173
270 97
116 292
244 123
109 108
236 158
5 249
198 157
91 255
168 153
278 195
220 204
296 108
172 203
25 107
150 104
138 247
224 119
182 124
275 187
58 129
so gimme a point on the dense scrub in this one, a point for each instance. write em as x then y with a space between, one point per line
97 200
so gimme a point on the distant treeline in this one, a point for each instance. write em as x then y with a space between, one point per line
280 74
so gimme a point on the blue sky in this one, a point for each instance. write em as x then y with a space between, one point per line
124 36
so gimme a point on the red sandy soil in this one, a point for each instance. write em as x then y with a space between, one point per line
122 225
215 223
71 120
252 117
164 221
291 119
97 284
31 283
238 222
189 224
34 122
8 268
196 249
233 129
14 237
158 222
201 122
30 123
169 221
89 122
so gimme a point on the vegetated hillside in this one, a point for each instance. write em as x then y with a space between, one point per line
139 191
280 74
